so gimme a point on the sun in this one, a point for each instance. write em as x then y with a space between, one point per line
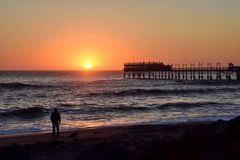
87 65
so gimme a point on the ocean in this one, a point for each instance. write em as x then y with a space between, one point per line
104 98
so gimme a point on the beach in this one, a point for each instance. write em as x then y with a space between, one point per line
199 141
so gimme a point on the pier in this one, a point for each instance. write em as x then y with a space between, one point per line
161 71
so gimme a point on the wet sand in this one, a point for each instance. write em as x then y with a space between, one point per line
199 141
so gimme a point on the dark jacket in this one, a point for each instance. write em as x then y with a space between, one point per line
55 118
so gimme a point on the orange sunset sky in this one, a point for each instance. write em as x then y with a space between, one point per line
66 35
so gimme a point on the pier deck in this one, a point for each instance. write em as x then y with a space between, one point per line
158 70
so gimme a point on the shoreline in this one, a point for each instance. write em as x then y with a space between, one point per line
35 133
218 140
45 136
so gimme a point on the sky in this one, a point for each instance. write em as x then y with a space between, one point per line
67 34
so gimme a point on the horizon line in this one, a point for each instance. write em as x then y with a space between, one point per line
45 70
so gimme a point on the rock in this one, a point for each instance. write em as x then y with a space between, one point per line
15 152
104 151
73 135
220 126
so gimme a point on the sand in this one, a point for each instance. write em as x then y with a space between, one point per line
199 141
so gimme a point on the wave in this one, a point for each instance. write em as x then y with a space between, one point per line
32 112
187 105
18 85
117 109
206 83
67 105
139 92
165 106
38 112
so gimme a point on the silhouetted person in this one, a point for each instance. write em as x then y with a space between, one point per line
56 121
